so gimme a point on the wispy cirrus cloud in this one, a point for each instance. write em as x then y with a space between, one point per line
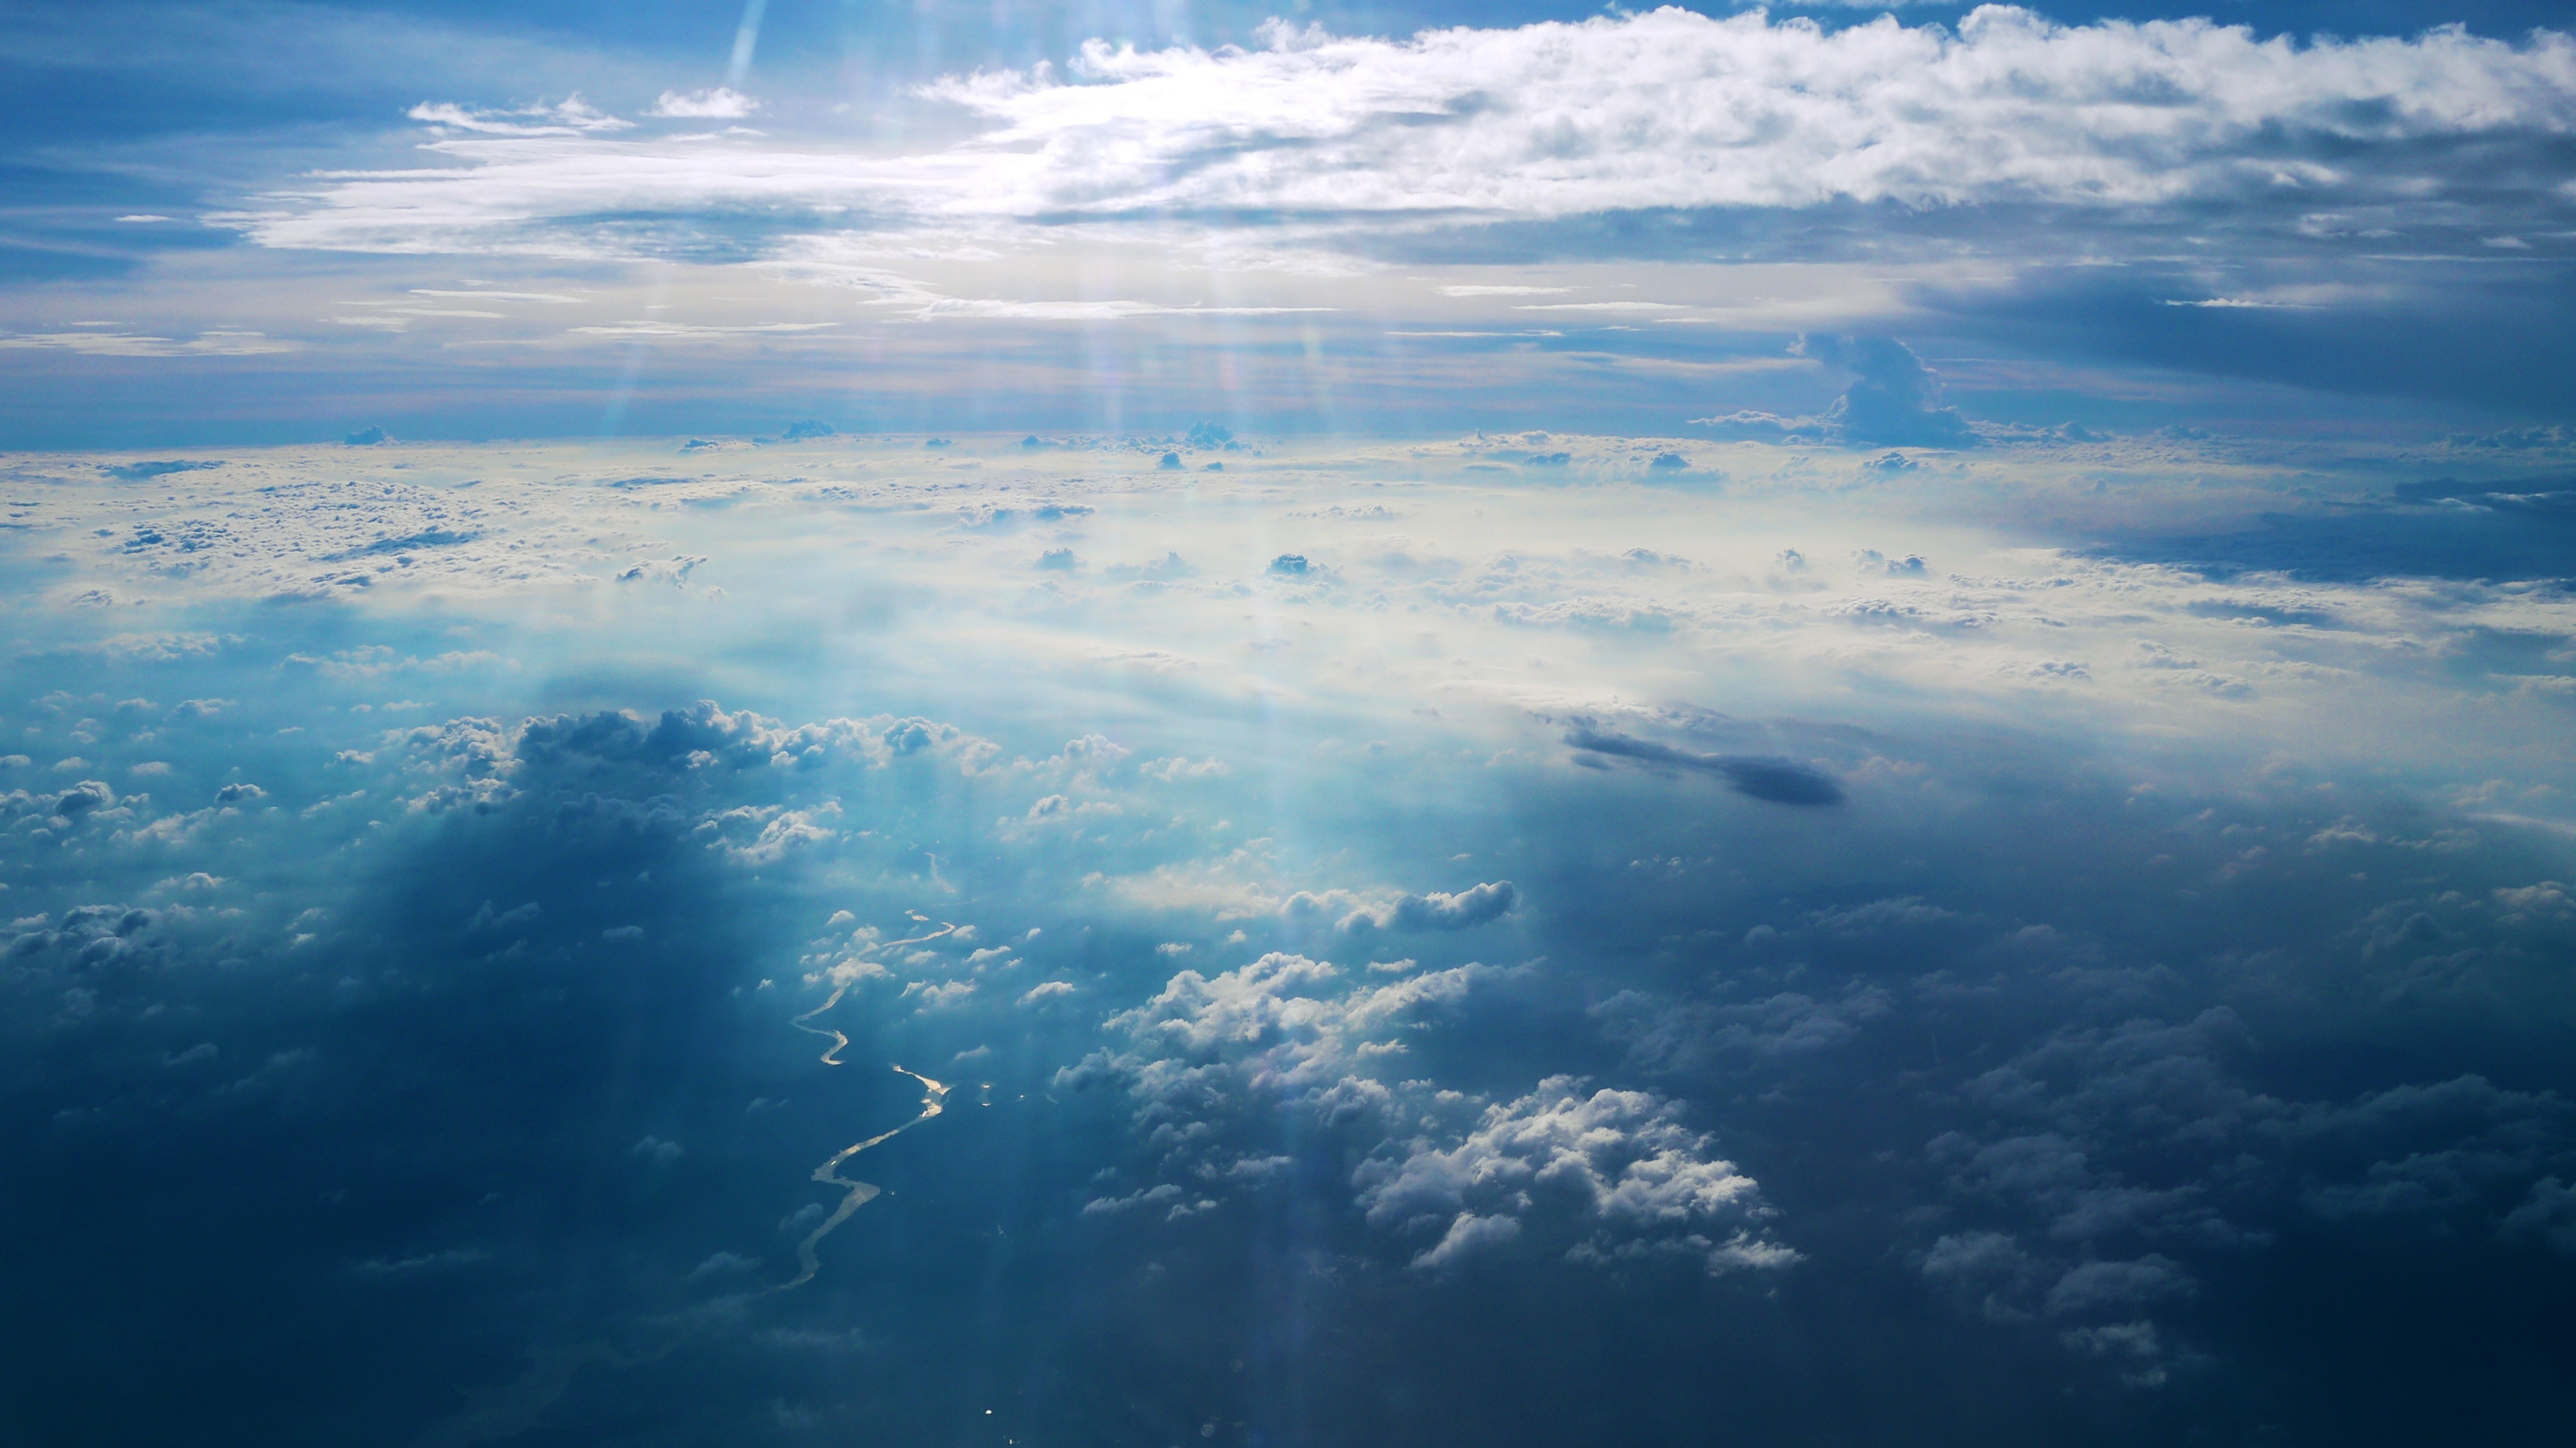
217 343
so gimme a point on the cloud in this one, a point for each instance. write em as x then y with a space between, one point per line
2116 1286
717 104
213 343
1657 111
1616 1171
1895 401
2547 1215
2058 1120
1780 781
1674 109
1435 911
1599 1176
571 116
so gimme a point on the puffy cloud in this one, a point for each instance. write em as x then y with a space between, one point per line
716 104
1600 1176
1671 108
1435 911
2116 1286
1617 1170
1895 400
2547 1215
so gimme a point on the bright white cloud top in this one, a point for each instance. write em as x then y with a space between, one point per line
1663 110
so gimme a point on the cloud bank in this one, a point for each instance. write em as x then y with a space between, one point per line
1667 110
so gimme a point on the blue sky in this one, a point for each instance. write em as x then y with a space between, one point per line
918 219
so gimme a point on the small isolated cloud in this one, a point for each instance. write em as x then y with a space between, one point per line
1780 781
723 1264
717 104
572 116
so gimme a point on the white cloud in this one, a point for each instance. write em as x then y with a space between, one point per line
571 116
215 343
1668 109
718 104
1596 1175
1616 1169
1435 911
1671 108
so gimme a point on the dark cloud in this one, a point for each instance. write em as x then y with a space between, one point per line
1780 781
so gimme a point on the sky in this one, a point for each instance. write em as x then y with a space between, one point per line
292 222
1138 725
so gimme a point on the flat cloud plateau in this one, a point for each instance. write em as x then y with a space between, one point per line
1396 934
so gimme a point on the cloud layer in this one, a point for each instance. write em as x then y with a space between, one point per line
1667 110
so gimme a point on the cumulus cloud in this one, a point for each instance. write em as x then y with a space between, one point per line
2547 1215
1435 911
717 104
1616 1170
1671 108
1894 401
1598 1176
